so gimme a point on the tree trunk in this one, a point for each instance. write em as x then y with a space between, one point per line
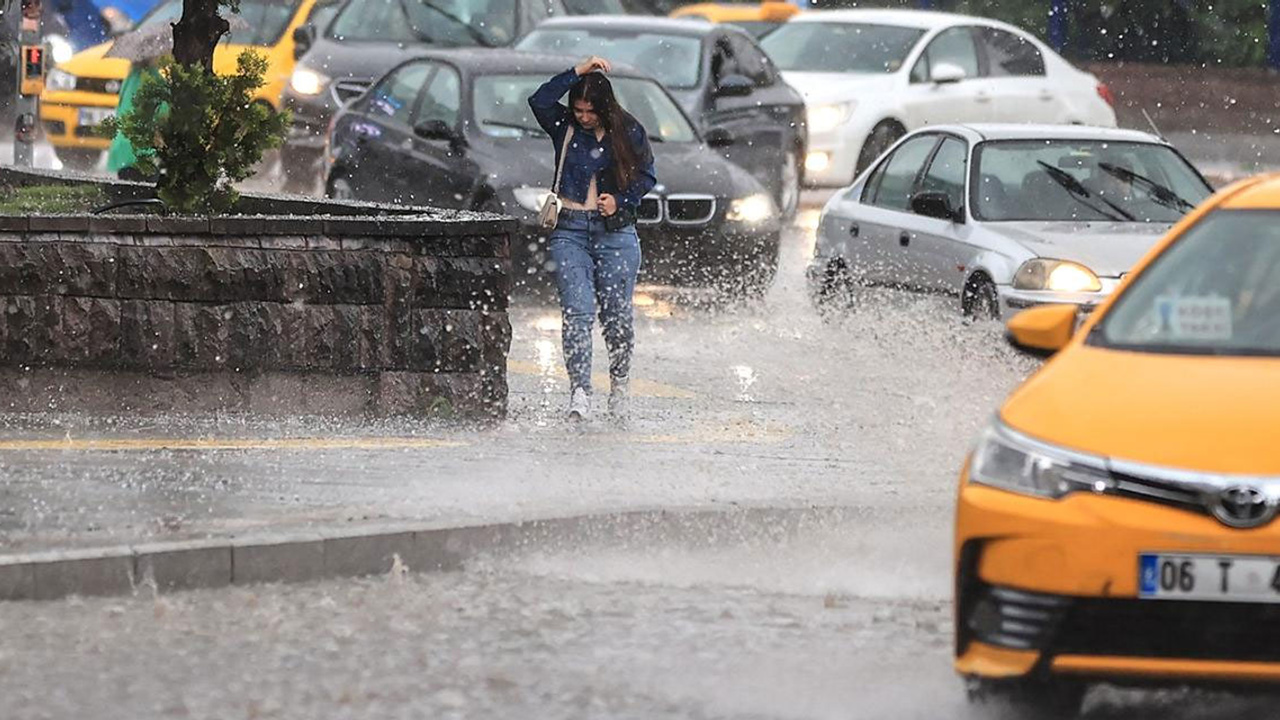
197 34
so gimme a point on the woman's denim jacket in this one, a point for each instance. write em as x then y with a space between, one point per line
588 156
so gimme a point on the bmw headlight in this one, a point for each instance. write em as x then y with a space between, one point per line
306 81
1010 461
1057 276
59 80
751 209
531 198
824 118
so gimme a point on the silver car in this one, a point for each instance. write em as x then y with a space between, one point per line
1003 217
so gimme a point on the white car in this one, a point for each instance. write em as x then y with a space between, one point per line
870 76
1004 217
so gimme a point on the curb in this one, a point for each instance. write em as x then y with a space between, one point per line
372 550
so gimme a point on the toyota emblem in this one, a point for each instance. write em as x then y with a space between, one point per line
1243 506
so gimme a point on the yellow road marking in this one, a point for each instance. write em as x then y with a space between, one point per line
364 443
639 386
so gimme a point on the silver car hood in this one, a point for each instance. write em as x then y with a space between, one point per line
1107 248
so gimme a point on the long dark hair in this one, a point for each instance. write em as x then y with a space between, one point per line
596 89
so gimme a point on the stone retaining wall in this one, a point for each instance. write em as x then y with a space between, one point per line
372 315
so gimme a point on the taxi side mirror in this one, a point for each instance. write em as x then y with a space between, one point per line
1042 331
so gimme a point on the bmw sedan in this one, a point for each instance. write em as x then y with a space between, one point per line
453 129
1004 217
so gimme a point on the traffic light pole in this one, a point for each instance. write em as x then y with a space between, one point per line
23 16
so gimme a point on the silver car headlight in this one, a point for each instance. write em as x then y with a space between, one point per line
60 80
1056 276
306 81
751 209
531 198
1011 461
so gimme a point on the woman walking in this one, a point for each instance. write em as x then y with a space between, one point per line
604 167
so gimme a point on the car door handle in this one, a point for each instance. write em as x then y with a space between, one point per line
854 230
904 239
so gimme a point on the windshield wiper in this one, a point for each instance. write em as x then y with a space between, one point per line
1162 194
471 30
529 129
1082 194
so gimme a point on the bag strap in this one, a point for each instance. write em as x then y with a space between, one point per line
564 150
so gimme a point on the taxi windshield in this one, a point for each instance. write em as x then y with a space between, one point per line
1216 291
259 22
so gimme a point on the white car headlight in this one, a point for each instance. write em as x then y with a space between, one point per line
751 209
531 198
59 80
1010 461
1057 276
60 48
306 81
824 118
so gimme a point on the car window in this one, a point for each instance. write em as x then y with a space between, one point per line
724 62
393 97
946 172
440 22
873 184
954 46
900 173
751 61
442 99
674 60
1009 54
1216 290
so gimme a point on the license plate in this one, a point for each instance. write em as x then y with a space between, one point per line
93 117
1221 578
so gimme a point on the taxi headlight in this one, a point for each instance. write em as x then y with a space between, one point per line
306 81
60 80
1010 461
751 209
60 48
1057 276
531 198
823 118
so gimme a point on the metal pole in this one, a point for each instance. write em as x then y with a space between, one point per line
1058 24
1273 34
30 83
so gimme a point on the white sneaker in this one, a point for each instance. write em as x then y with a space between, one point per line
579 404
620 400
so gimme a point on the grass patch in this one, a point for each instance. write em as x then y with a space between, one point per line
51 199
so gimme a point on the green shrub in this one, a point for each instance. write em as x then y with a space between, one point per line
198 132
48 199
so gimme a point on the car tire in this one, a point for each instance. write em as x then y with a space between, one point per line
79 159
884 134
340 188
761 270
835 289
788 196
1031 698
979 300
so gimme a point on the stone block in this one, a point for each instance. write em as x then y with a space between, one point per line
185 566
277 393
286 559
243 226
33 327
200 336
337 395
368 554
14 224
495 337
83 573
323 242
59 223
147 334
471 283
90 332
117 224
445 341
178 225
17 581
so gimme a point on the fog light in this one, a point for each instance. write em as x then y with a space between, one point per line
817 162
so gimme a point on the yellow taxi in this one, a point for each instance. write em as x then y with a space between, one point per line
81 92
1117 519
755 18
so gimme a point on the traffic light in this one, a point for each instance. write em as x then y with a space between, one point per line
32 70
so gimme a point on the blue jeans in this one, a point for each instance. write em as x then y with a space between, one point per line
595 268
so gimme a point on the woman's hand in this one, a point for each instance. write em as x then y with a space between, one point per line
592 64
607 204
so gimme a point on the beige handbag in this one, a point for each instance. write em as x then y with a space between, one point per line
550 213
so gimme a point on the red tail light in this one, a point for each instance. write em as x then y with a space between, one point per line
1104 92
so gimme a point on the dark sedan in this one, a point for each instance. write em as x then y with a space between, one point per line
719 75
453 128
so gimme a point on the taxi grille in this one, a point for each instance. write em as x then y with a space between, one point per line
55 127
1245 632
109 86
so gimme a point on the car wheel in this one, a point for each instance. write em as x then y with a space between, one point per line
761 269
835 289
881 137
340 189
788 197
79 159
1033 699
980 301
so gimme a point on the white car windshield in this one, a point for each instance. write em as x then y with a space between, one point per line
674 60
1216 291
1075 180
840 47
502 107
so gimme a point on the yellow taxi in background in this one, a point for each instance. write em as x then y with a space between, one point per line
81 92
1117 519
755 18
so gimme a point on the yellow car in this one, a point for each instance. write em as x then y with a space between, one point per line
81 92
755 18
1116 521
